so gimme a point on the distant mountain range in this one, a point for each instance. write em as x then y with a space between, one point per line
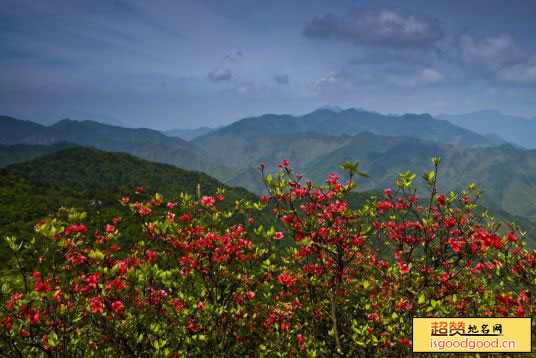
351 122
145 143
335 109
316 144
188 134
514 129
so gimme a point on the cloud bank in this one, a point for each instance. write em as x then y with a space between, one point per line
385 27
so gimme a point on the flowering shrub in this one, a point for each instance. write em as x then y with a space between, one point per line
201 281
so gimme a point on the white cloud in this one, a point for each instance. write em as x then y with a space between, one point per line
332 81
426 77
492 51
220 74
499 59
523 74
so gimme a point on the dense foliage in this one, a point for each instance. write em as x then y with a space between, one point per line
205 281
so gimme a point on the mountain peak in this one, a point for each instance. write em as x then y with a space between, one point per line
321 111
335 109
419 116
65 121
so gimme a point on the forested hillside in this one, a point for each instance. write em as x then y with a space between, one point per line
90 180
11 154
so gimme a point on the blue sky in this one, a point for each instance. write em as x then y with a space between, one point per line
183 64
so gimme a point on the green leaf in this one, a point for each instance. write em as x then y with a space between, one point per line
52 339
349 167
421 298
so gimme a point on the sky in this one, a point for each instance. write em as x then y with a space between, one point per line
183 64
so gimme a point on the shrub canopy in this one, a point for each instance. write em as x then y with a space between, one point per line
326 279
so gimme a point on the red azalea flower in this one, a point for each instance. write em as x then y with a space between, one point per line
178 304
373 316
285 279
110 229
278 235
185 218
97 305
118 306
300 339
404 268
192 327
208 200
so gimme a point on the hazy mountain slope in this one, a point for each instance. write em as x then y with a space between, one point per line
347 122
507 174
86 133
16 131
144 143
423 126
249 179
99 135
179 157
11 154
247 147
188 134
383 158
514 129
